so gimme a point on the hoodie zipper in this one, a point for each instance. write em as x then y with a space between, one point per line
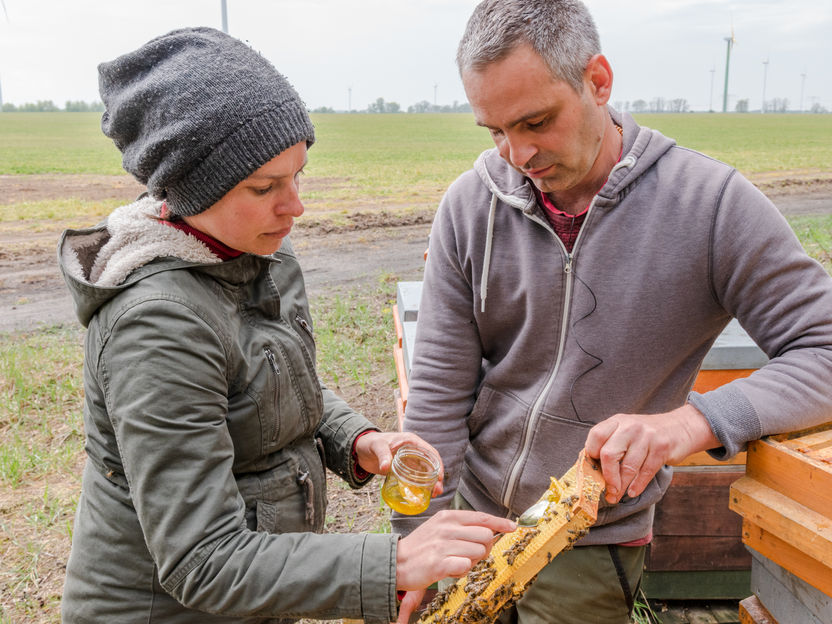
276 370
628 161
514 475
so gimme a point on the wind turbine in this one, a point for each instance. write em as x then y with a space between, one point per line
765 71
224 18
3 2
711 101
730 41
802 84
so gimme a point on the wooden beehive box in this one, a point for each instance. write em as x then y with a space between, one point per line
697 550
785 501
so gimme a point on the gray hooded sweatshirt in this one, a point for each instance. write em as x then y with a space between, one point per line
207 435
522 347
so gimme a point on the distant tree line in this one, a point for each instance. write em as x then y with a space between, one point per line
781 105
382 106
48 106
680 105
426 107
656 105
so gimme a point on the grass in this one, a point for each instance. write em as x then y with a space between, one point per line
352 333
399 158
815 233
643 612
353 336
753 143
56 143
41 443
82 212
41 395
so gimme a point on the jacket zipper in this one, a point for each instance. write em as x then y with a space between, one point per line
276 370
306 327
514 475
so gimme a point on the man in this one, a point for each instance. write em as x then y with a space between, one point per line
575 280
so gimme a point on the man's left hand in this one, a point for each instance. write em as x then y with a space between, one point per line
633 447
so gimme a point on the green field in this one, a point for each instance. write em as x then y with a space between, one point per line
55 143
412 158
753 143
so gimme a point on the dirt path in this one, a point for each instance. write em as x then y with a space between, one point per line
32 292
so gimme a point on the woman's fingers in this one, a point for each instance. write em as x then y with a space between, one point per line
447 544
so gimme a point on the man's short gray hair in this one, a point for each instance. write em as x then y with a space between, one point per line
562 32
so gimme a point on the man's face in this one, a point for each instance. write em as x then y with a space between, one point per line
540 125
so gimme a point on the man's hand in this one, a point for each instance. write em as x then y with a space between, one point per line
375 452
633 447
447 544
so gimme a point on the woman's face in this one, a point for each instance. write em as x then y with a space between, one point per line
257 214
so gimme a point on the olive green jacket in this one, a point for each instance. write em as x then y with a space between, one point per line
207 435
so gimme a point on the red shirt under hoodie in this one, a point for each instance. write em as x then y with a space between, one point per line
223 252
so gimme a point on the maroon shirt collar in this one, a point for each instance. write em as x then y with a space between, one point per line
222 251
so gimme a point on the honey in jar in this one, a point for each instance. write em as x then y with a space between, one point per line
409 484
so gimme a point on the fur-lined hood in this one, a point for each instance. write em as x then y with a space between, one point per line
100 262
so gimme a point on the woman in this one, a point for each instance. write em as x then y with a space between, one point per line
207 428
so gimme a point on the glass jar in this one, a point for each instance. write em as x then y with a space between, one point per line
408 485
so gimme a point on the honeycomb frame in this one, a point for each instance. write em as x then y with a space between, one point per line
498 581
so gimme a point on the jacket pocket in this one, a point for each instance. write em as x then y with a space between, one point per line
287 398
266 514
274 429
291 497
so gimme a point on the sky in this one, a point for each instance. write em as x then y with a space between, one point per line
347 53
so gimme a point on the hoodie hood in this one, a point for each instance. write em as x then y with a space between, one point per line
641 148
100 262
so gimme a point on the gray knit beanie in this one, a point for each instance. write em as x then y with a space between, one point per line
194 112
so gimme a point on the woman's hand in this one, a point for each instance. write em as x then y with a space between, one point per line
448 544
375 451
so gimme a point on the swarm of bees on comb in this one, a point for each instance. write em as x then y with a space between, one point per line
499 580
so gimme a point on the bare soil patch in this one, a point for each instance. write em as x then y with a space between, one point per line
29 188
354 250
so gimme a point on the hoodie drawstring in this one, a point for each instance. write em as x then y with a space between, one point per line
628 161
486 261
